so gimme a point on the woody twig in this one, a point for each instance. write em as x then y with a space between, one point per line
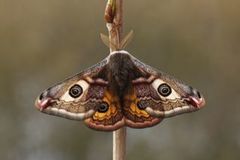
114 17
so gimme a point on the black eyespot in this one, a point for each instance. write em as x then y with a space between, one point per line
141 105
44 94
164 89
103 107
75 91
41 96
199 95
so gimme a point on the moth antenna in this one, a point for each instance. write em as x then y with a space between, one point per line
105 40
126 40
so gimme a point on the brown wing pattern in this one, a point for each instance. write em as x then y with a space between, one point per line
108 115
118 91
141 95
180 98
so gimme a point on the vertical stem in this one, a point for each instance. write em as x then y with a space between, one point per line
114 18
119 144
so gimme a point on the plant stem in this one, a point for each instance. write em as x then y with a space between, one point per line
119 143
114 18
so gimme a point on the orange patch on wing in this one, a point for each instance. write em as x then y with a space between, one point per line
136 111
133 108
112 101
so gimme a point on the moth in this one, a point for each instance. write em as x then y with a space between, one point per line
120 91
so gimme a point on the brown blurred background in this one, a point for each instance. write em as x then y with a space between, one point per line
44 41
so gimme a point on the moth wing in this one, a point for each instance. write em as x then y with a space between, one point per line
140 94
147 106
84 97
135 116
